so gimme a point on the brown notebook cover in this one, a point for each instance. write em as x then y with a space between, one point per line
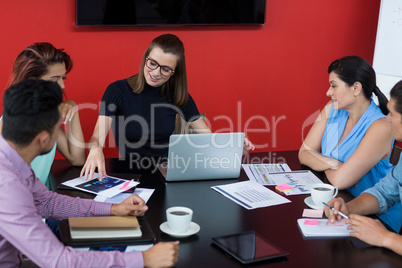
103 222
104 227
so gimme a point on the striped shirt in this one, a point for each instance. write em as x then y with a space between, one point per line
25 201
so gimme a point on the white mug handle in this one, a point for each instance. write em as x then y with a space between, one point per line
336 192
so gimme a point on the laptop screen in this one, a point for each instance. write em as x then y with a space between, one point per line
204 156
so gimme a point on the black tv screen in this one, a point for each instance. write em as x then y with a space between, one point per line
169 12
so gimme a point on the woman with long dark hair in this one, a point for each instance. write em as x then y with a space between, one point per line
351 141
378 199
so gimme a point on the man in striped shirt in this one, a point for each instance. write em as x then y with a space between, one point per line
30 116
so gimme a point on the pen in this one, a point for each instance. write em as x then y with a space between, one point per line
282 167
340 213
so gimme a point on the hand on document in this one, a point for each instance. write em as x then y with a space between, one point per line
368 230
133 205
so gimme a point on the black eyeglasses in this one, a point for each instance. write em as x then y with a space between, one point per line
153 65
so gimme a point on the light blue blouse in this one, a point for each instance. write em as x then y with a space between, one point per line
41 165
333 131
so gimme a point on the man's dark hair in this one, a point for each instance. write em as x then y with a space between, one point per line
30 107
396 95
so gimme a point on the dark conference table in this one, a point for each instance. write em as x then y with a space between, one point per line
217 216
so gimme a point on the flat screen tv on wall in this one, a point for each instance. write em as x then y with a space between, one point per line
97 13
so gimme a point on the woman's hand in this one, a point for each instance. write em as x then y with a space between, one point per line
68 108
95 160
248 145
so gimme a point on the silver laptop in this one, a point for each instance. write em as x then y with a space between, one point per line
203 157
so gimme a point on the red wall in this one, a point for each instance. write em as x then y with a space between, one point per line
273 77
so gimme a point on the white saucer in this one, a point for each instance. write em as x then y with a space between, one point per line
309 202
192 229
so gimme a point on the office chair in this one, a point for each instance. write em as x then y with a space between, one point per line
395 153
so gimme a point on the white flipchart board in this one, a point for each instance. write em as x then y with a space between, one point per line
387 61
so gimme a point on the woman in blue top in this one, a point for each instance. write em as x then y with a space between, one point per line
142 109
44 61
351 140
379 198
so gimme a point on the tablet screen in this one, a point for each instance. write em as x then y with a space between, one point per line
248 247
95 185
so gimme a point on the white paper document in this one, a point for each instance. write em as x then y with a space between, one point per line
108 187
300 181
104 233
321 229
261 172
250 195
138 248
144 193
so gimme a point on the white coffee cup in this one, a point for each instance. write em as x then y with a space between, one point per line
322 192
179 218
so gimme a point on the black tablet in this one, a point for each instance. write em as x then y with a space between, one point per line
248 247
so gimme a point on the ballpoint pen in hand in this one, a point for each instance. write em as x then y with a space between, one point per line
340 213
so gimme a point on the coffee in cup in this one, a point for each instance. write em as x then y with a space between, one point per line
179 218
322 192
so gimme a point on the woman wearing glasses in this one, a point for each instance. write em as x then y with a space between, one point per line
44 61
142 109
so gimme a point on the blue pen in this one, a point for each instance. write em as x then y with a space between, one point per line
340 213
282 167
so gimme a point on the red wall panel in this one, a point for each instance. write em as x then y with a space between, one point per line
266 81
